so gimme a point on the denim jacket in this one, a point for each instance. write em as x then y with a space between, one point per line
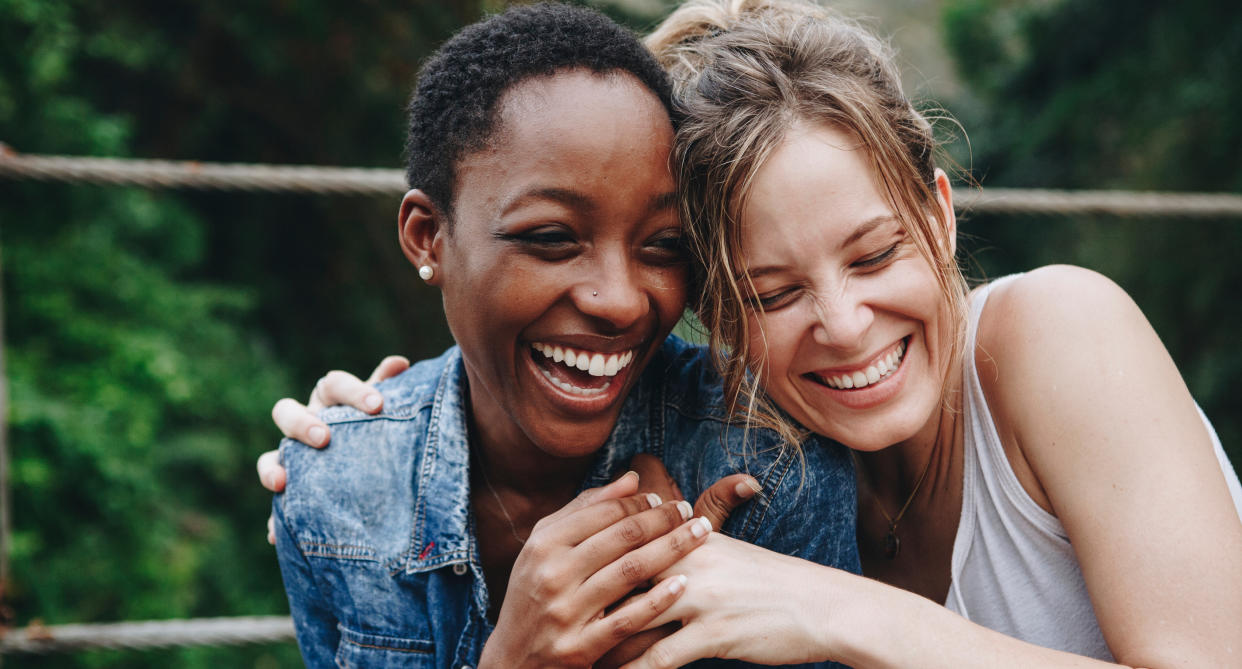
375 534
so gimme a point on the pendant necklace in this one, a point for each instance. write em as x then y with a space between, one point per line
892 543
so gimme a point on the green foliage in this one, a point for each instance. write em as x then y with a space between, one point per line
147 334
1082 94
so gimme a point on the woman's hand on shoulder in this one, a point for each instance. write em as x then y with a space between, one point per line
1092 409
567 602
300 421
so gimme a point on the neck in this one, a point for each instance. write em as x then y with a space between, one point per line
892 474
512 463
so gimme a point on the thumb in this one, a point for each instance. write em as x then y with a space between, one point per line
717 503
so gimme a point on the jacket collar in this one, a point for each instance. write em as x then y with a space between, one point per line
443 517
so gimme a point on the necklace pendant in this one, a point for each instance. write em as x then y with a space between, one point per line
892 545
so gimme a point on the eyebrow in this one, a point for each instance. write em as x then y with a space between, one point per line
865 228
576 200
568 197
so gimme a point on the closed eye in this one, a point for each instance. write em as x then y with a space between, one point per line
776 299
666 248
551 242
879 258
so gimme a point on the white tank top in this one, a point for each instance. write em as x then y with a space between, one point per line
1013 568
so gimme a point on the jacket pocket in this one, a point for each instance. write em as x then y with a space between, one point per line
358 649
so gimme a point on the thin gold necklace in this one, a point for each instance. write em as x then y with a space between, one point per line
892 543
478 458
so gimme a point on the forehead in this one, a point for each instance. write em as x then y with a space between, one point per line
818 183
604 135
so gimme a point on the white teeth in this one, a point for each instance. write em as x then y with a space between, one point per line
881 369
595 364
575 390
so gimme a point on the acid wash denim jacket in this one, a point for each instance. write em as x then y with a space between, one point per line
375 533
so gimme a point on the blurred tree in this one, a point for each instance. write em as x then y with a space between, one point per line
1145 96
148 333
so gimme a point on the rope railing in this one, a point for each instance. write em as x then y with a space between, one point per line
40 639
390 182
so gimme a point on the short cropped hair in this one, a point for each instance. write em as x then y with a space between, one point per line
454 107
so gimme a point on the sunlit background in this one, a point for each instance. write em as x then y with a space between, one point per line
148 332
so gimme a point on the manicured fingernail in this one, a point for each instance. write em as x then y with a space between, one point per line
700 527
684 508
630 473
748 488
676 583
372 401
654 500
317 435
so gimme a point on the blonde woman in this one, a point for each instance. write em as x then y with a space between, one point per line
1027 453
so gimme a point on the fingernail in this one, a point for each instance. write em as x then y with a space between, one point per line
372 401
700 527
684 508
654 500
317 435
630 473
748 488
677 583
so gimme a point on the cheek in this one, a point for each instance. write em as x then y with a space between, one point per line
668 292
773 343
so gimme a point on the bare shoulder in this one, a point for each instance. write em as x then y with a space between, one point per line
1058 323
1060 351
1053 304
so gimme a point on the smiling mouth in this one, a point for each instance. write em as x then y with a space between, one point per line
870 375
577 371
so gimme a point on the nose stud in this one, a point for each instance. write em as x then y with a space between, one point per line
595 293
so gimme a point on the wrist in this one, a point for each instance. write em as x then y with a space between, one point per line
835 599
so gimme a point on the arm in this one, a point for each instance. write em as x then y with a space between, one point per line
1125 463
757 605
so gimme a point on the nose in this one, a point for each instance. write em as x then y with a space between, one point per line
616 294
842 319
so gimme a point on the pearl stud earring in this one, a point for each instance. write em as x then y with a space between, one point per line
425 272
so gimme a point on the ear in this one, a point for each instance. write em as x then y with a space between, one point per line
944 196
421 229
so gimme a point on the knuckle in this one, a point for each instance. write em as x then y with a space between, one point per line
679 541
662 657
632 569
336 376
617 508
561 616
631 531
622 626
